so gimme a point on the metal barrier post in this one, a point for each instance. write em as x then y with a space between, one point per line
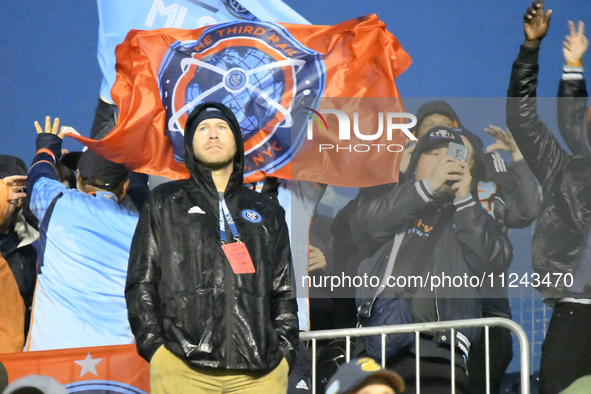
383 350
313 365
487 354
348 341
418 361
453 361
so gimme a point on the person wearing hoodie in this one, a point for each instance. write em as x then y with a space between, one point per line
209 287
516 199
434 208
510 194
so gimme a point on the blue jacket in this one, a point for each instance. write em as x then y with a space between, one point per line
83 253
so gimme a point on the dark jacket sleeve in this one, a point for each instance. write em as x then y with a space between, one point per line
484 241
571 110
284 309
48 153
542 152
519 197
143 277
378 219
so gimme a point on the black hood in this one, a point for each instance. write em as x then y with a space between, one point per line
436 107
440 107
201 174
11 165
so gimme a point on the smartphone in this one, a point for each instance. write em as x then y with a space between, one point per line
457 151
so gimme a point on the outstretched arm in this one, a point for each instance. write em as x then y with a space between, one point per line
572 92
542 152
42 184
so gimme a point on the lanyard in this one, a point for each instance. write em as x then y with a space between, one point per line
225 214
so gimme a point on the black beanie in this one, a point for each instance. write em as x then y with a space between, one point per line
209 113
437 107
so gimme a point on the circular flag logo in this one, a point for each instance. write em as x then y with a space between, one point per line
251 216
258 70
102 387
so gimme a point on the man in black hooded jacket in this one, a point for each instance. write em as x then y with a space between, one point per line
210 274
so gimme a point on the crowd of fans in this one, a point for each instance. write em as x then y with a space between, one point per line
91 257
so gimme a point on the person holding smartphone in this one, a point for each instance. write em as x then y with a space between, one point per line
434 208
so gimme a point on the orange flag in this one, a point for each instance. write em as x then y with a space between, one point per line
12 311
106 369
272 75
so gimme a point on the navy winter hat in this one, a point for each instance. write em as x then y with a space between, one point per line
353 373
209 113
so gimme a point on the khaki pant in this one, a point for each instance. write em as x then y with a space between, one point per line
170 375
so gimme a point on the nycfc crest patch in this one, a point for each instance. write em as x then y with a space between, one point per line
251 216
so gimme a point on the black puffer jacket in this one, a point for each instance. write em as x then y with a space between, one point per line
181 290
565 217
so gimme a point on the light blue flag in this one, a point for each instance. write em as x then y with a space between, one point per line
118 17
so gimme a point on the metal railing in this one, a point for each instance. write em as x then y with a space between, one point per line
451 325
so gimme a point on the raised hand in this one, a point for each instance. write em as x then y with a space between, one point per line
16 183
575 44
50 129
462 187
447 170
503 141
535 23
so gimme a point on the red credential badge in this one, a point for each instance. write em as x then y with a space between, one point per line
239 258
